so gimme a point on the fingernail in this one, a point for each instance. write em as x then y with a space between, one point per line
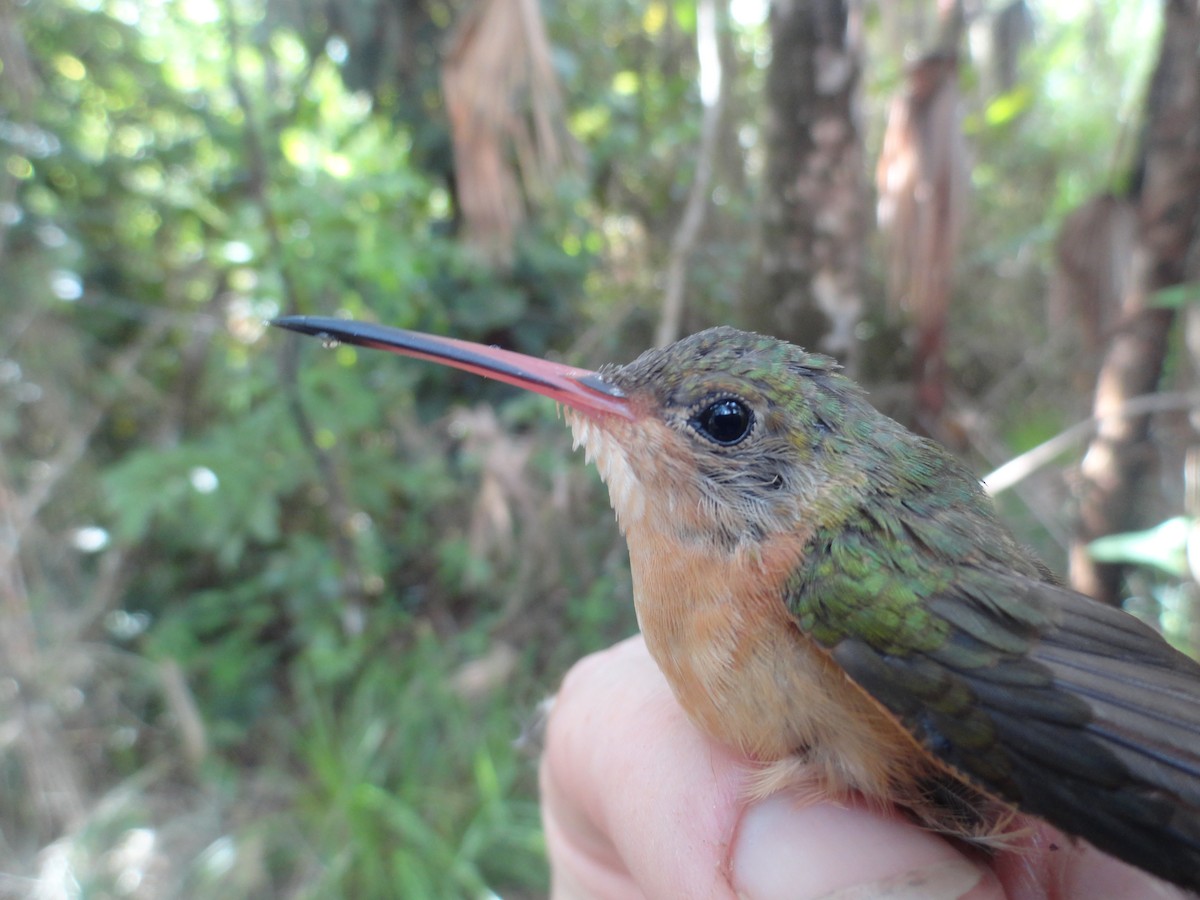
826 852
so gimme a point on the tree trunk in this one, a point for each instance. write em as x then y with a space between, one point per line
806 286
1168 207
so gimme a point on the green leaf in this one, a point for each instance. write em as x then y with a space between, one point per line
1164 546
1177 296
1008 106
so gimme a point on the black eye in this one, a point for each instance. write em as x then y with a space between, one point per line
724 422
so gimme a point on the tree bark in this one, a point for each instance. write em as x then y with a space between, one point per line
806 285
1168 209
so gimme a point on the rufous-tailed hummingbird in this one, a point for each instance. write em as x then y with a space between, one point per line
835 597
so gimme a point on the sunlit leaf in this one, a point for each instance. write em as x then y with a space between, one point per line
1164 546
1008 106
1178 296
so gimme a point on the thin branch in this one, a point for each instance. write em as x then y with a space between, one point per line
260 173
712 94
1021 467
1043 505
73 448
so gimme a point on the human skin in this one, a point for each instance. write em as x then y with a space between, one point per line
636 802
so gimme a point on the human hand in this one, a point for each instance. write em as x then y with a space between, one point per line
637 802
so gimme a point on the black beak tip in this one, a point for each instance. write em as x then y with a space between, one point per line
293 323
320 327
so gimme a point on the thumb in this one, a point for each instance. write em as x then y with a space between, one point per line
784 850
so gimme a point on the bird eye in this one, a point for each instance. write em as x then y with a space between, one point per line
725 422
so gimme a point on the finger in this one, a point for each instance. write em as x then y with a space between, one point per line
1051 866
840 851
634 799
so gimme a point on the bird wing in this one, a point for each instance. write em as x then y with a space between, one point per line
1071 710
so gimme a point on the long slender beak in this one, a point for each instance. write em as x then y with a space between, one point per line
580 389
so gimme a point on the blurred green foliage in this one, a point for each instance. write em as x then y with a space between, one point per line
326 548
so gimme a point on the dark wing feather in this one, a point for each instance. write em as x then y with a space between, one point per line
1073 711
1070 710
1094 727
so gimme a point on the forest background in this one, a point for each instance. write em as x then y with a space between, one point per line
274 621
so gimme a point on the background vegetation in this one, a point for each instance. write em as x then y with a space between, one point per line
273 626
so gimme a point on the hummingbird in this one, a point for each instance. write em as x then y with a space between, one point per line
835 597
